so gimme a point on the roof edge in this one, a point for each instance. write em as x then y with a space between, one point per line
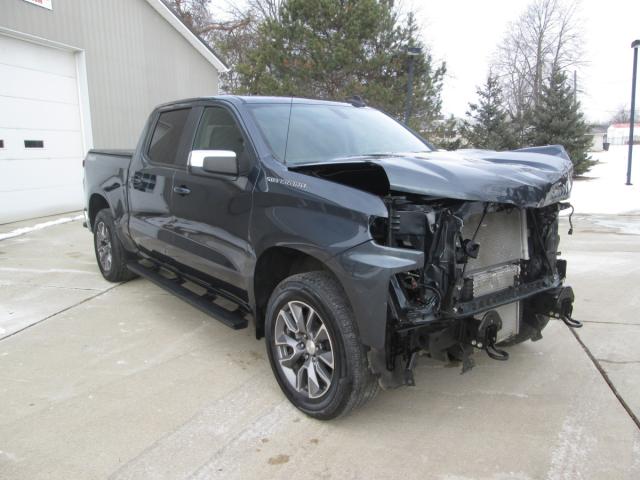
196 42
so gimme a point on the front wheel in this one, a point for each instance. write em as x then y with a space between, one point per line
314 347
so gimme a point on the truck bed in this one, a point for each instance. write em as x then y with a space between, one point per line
106 171
113 152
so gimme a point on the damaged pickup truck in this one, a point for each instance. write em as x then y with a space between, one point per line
348 241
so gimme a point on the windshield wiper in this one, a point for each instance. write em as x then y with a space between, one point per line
375 154
384 154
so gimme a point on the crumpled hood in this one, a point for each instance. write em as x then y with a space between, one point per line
524 177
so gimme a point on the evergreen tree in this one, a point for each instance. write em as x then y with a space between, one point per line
558 120
488 124
446 134
334 50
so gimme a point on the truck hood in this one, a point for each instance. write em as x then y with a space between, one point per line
533 177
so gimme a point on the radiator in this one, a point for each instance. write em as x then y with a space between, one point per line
503 240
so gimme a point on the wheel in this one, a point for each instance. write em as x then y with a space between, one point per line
314 347
110 254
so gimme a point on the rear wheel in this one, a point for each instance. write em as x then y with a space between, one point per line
110 253
314 347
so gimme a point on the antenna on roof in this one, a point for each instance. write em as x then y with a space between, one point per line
356 101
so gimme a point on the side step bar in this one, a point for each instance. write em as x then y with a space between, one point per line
233 319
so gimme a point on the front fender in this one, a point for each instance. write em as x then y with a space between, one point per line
364 272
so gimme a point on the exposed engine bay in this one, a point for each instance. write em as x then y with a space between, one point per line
491 278
487 225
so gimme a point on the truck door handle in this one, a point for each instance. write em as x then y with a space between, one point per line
182 190
137 179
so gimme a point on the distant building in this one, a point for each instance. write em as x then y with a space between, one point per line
78 74
598 134
618 134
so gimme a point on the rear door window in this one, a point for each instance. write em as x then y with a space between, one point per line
167 134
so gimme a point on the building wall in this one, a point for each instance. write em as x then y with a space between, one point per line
597 141
134 59
618 134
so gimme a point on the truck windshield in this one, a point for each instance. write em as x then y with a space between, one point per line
307 133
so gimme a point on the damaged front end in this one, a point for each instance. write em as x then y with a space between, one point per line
491 278
468 253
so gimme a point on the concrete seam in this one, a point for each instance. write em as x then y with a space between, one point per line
60 311
618 362
601 323
167 435
606 378
611 323
60 287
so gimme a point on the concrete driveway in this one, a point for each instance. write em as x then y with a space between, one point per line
125 381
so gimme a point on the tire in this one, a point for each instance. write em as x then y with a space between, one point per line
334 353
110 254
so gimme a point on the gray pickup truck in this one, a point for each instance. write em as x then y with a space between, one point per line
344 238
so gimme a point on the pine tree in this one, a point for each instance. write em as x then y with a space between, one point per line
488 124
558 120
446 134
334 50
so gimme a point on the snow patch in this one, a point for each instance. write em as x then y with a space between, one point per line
44 270
38 226
9 456
602 190
625 224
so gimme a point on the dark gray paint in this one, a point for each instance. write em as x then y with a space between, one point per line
520 178
222 230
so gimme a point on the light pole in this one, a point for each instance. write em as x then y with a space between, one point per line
411 52
635 45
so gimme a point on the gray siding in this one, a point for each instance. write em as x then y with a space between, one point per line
135 59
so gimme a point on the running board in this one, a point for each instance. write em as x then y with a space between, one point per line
231 319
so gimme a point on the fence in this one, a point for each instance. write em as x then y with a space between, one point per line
623 140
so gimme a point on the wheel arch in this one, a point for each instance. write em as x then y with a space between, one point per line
274 265
97 202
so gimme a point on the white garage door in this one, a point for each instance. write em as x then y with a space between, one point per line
41 145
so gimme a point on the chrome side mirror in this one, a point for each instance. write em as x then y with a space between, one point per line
220 162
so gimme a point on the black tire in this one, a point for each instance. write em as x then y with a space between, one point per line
352 383
104 236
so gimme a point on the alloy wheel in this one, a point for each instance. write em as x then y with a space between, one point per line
304 349
103 246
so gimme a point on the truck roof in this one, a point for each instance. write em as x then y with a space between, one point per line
253 99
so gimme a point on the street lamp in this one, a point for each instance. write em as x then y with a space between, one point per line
411 52
635 45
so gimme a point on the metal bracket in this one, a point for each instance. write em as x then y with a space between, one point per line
408 371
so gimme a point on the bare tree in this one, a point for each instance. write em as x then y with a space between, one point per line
230 36
235 43
623 115
196 15
265 9
547 37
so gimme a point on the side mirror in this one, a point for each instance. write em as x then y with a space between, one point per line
220 162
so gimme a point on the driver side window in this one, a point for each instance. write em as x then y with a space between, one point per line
218 130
